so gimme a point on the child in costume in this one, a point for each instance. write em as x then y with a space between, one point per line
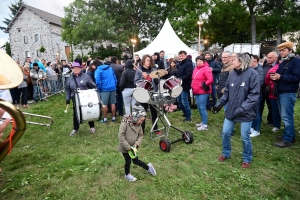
130 137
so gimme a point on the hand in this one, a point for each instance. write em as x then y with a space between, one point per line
144 74
275 76
205 87
67 102
217 108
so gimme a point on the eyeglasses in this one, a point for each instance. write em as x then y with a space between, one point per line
224 57
280 50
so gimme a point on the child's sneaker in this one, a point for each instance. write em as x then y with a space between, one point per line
129 177
151 169
93 130
73 132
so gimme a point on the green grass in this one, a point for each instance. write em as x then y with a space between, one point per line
49 164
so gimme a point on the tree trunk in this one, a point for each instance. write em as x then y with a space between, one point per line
253 25
279 36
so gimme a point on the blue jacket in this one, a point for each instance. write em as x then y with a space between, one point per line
289 79
105 77
216 70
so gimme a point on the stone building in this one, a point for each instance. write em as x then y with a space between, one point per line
31 29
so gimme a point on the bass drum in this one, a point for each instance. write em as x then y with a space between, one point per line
87 105
141 92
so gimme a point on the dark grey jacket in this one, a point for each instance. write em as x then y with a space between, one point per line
261 76
241 95
84 82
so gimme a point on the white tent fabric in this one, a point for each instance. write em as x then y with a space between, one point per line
168 41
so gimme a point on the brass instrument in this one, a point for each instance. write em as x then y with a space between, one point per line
29 115
11 76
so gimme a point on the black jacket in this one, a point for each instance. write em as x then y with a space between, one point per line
216 69
241 95
185 72
118 69
127 79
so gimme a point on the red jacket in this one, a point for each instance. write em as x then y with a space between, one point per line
200 74
270 82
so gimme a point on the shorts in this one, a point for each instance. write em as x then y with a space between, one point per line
108 97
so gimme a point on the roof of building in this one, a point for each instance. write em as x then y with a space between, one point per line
51 18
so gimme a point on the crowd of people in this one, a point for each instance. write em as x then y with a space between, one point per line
239 82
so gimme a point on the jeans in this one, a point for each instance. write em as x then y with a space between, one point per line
201 100
183 100
257 121
286 104
276 115
119 102
213 96
128 99
246 140
36 89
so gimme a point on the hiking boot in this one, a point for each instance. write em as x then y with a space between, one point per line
222 158
129 177
151 169
282 144
73 132
245 165
254 133
92 130
279 138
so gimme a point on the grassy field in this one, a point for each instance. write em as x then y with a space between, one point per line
49 164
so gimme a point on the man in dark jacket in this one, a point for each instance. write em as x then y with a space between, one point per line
241 95
185 72
216 69
118 69
287 79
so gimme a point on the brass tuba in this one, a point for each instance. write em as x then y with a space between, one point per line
10 76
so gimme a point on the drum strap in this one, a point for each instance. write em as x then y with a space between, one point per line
196 75
78 85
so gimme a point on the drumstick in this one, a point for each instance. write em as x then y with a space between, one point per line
66 108
137 68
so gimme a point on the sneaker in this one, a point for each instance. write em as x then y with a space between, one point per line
113 120
275 129
129 177
202 128
199 124
30 101
158 132
102 121
151 169
245 165
255 133
73 132
92 130
251 130
222 158
283 144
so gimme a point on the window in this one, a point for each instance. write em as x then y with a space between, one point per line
25 40
36 37
19 30
27 54
38 53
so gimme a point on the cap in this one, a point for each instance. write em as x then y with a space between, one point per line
138 112
76 64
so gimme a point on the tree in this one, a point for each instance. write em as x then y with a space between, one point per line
6 47
280 16
14 7
225 25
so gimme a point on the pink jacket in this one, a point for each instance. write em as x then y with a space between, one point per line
200 74
270 82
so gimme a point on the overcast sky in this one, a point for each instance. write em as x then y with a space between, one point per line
55 7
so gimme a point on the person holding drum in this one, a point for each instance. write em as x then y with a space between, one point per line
142 75
202 79
84 82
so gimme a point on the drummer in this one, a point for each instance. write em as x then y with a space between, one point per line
147 66
84 82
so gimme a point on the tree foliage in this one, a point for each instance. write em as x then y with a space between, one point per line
14 7
6 47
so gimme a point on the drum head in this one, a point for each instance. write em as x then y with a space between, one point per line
77 110
141 95
176 91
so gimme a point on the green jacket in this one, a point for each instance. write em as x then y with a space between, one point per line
129 135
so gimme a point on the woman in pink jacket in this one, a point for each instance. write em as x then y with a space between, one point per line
273 99
202 79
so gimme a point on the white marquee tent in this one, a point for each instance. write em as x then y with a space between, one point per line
168 41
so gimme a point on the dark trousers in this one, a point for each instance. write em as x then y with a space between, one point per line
213 95
75 121
24 92
15 95
265 98
119 102
153 115
30 92
136 161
